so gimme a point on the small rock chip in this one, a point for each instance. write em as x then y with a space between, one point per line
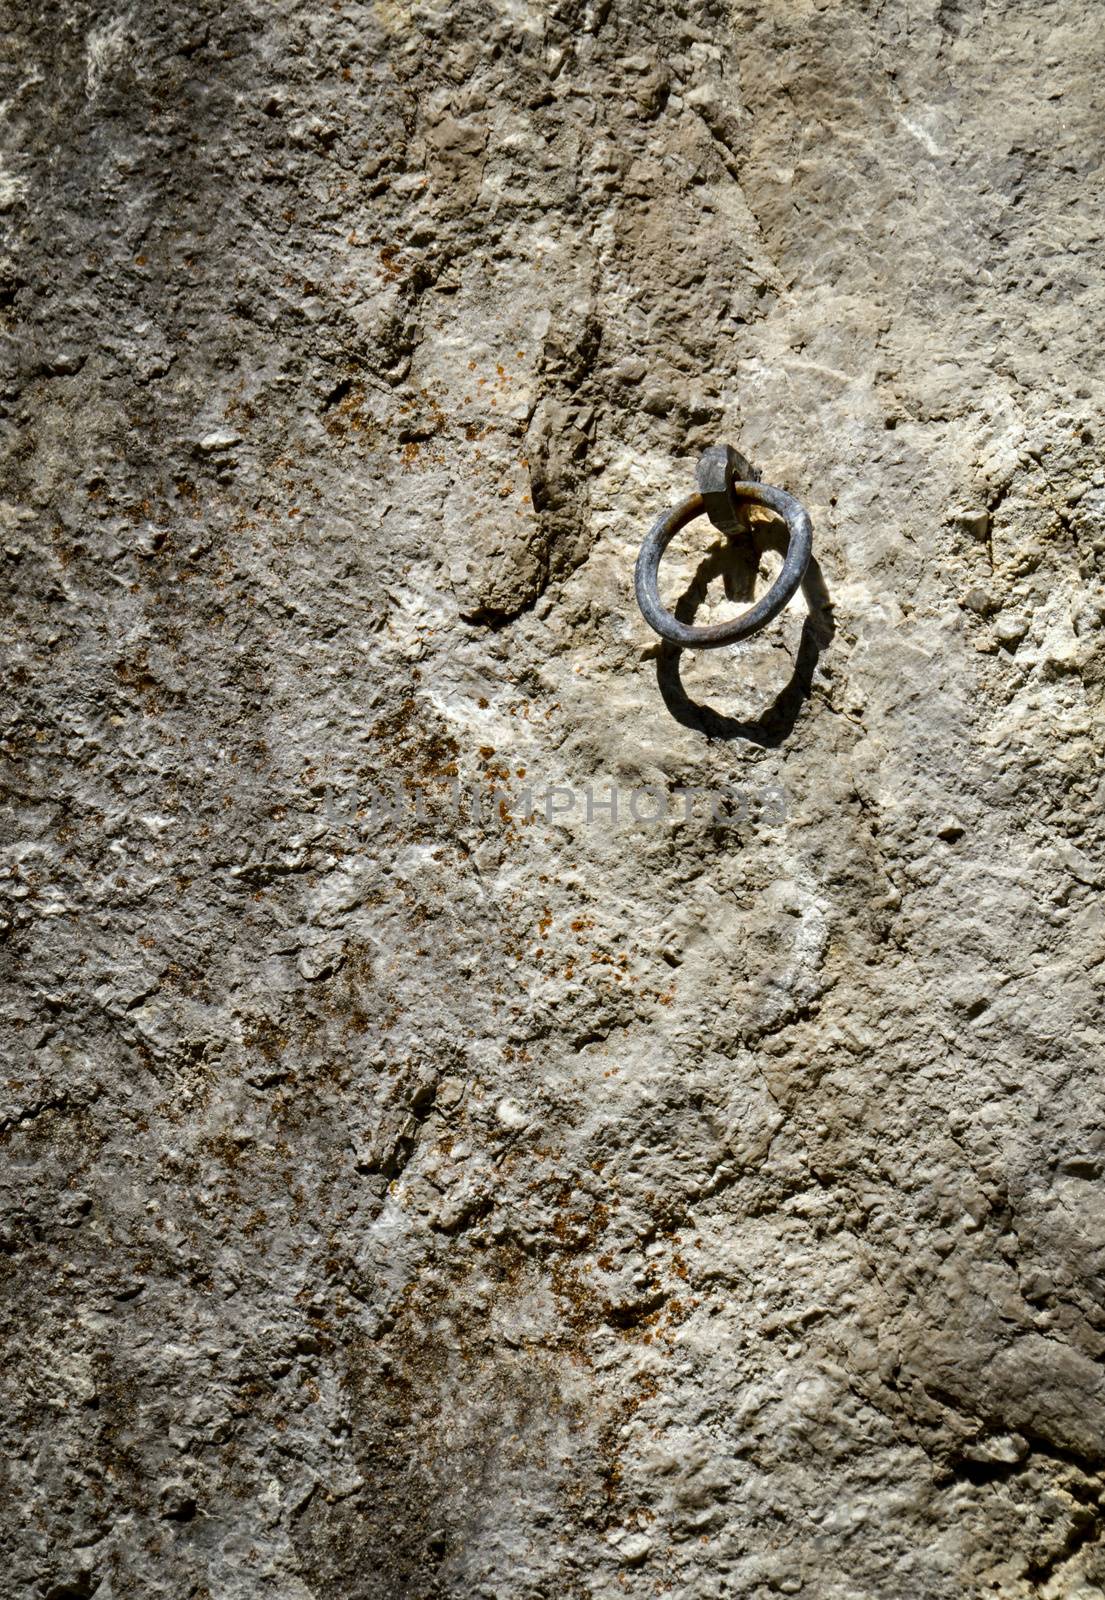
973 519
222 439
1010 629
980 601
511 1115
634 1549
317 961
1000 1448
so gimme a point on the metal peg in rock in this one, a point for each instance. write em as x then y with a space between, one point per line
728 484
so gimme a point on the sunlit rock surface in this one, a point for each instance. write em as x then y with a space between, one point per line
420 1182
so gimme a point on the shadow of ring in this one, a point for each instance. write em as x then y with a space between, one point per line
774 724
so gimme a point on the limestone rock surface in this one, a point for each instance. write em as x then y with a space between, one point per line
492 1108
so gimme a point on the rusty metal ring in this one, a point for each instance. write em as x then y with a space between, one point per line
663 531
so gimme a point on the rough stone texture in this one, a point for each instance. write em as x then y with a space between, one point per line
400 1207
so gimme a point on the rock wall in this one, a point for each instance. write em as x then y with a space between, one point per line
419 1182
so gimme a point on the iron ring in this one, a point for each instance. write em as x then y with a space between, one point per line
664 530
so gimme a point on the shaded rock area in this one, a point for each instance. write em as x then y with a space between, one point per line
416 1180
